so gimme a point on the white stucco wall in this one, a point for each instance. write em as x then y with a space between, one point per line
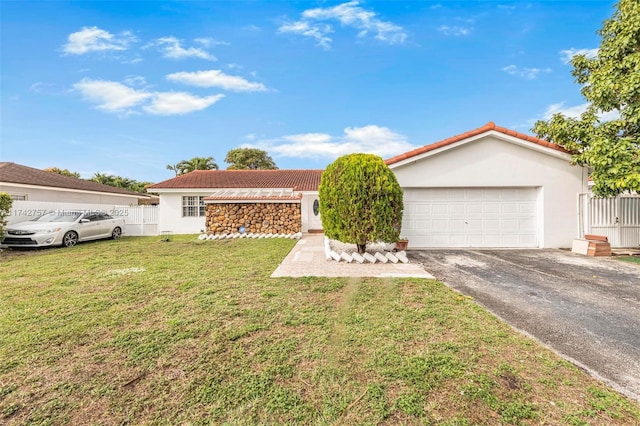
61 195
170 214
170 211
496 160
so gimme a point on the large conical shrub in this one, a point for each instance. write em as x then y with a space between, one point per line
360 201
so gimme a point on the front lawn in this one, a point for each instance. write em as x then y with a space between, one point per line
632 259
195 332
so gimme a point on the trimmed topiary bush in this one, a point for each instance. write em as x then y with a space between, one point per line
360 201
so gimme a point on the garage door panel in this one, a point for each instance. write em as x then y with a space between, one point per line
473 225
525 208
454 224
471 217
492 224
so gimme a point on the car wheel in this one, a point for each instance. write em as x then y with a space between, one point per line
116 233
70 239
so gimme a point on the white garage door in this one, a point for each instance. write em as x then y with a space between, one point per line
470 217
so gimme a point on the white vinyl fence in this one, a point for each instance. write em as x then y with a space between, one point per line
618 218
139 220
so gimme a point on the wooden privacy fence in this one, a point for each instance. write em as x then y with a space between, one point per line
618 218
139 220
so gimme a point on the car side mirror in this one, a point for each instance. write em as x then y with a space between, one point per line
84 221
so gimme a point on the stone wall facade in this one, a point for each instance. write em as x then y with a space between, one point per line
264 218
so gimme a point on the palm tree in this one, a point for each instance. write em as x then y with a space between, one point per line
103 178
173 167
196 163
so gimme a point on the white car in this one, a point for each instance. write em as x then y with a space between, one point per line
62 228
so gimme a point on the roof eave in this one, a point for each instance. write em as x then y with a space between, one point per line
443 146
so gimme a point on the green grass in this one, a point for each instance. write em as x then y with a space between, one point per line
632 259
139 331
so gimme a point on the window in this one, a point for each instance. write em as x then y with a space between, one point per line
193 206
18 197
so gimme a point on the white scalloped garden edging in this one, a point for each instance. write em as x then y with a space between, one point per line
369 257
295 236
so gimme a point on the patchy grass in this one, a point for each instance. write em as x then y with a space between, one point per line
143 331
632 259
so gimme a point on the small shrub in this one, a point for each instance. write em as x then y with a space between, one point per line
5 208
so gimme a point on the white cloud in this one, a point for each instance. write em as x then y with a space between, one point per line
209 42
526 73
111 96
135 80
171 47
174 103
252 28
348 14
41 87
118 98
370 139
575 112
568 54
454 31
216 78
313 30
94 39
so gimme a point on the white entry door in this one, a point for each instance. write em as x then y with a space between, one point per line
470 217
313 213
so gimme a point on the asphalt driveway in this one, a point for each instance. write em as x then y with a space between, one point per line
587 309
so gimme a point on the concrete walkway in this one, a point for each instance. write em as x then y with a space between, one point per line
307 259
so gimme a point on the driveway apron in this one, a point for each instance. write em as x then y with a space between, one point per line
586 309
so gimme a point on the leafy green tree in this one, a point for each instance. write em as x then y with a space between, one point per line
249 159
360 201
196 163
120 182
5 208
611 83
63 172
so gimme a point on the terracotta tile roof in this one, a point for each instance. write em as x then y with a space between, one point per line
299 180
16 173
486 128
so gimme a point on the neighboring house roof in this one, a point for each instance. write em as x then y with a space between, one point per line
19 174
490 126
299 180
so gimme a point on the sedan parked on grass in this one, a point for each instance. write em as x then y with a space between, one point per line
62 228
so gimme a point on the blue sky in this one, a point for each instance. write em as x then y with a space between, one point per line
127 87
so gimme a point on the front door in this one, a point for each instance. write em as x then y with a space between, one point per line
315 223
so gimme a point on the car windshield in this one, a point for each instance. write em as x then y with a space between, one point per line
58 217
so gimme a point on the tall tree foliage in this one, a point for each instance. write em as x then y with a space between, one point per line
196 163
63 172
360 201
611 82
174 168
120 182
249 159
106 179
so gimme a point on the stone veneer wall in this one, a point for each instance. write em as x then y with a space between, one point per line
267 218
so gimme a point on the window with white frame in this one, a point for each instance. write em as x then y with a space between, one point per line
193 205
